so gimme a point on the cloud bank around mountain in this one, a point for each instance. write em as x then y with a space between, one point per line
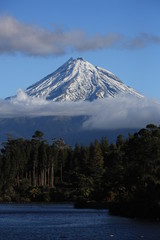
109 113
31 40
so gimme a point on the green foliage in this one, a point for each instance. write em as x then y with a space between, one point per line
139 194
125 175
38 135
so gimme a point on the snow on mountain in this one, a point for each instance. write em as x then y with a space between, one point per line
78 80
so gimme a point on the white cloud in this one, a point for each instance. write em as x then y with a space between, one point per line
18 37
109 113
124 112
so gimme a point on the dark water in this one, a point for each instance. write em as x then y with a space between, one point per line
45 222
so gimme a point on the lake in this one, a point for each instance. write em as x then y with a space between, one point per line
62 221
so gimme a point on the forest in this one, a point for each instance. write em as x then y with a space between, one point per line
123 176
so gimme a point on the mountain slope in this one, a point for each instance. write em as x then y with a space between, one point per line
78 80
69 128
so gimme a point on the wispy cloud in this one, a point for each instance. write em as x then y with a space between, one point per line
109 113
18 37
142 40
124 112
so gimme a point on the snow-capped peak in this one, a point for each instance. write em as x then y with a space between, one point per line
77 80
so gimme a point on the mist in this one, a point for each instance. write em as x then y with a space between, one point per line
123 111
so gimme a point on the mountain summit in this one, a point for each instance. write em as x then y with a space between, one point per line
77 80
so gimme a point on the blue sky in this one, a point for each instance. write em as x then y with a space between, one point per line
37 36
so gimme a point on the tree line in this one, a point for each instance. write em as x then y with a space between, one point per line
123 176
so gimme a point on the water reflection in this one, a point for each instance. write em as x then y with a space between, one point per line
49 222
